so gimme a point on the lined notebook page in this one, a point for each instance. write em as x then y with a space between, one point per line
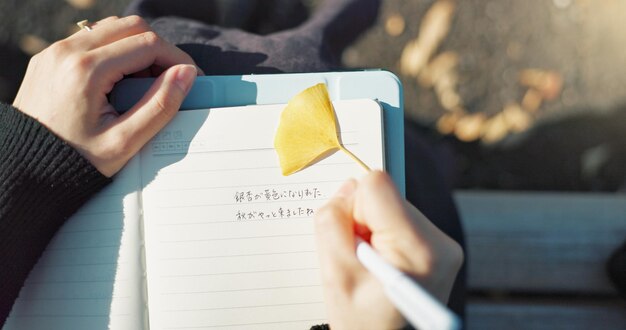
90 275
229 240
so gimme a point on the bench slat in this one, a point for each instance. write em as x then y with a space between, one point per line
541 242
540 315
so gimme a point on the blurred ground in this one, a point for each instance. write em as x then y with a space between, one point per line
575 141
527 94
497 39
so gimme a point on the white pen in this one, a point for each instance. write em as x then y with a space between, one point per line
419 308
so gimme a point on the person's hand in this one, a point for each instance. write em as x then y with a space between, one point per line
373 210
66 87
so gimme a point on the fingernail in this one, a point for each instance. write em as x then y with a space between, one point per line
185 76
347 189
200 71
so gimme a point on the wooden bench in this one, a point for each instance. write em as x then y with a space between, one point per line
537 260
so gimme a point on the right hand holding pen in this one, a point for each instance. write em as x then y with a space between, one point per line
372 208
66 87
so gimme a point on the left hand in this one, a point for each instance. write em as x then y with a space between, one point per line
66 87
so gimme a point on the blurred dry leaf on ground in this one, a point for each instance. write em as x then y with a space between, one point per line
433 30
441 73
81 4
32 44
532 100
447 122
394 25
548 83
495 129
516 118
419 59
440 66
470 126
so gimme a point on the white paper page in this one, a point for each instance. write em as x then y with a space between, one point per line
90 275
229 240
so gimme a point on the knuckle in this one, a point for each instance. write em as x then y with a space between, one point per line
59 49
137 22
159 105
83 62
150 39
34 59
164 107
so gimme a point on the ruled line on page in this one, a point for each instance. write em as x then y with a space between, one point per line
241 204
246 186
230 169
239 255
237 273
240 290
240 307
240 324
234 221
234 238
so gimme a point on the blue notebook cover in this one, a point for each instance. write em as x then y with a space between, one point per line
230 91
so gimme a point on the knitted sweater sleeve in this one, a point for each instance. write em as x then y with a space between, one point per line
43 181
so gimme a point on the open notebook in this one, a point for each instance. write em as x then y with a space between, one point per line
199 231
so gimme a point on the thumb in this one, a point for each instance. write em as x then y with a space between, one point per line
157 107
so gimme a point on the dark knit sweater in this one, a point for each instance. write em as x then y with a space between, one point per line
43 181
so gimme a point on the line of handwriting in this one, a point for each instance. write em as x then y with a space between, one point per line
279 213
276 195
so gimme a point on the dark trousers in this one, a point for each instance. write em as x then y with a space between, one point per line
313 45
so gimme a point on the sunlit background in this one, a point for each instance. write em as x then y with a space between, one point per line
514 96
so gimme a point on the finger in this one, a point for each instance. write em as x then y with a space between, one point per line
111 30
378 204
79 31
136 53
335 236
155 109
101 22
399 234
104 21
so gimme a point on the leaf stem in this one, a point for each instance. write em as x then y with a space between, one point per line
356 159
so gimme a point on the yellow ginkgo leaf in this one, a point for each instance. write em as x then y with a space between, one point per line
307 130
